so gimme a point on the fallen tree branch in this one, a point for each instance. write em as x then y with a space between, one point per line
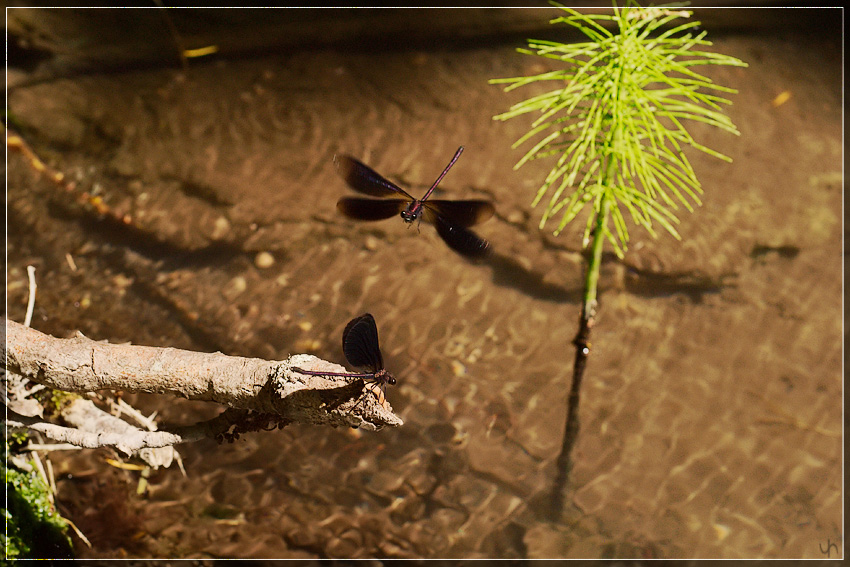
259 394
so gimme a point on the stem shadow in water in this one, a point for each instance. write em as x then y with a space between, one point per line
508 272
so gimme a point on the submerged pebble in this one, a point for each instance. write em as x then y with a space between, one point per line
264 260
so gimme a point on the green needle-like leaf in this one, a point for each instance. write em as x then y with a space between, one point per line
616 122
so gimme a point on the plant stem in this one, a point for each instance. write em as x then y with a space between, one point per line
591 281
617 125
582 343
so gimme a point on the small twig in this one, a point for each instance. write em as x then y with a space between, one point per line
179 460
51 478
36 458
50 447
124 408
129 440
92 203
35 389
175 35
77 531
31 300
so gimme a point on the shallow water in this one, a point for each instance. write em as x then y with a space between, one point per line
711 409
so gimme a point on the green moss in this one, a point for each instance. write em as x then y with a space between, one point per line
54 401
34 529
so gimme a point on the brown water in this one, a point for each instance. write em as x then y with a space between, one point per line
711 411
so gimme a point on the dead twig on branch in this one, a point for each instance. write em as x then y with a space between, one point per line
259 394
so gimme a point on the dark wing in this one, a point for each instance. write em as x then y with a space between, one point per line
460 213
370 209
364 179
461 239
360 343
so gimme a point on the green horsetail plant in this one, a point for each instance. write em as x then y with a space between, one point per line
615 126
